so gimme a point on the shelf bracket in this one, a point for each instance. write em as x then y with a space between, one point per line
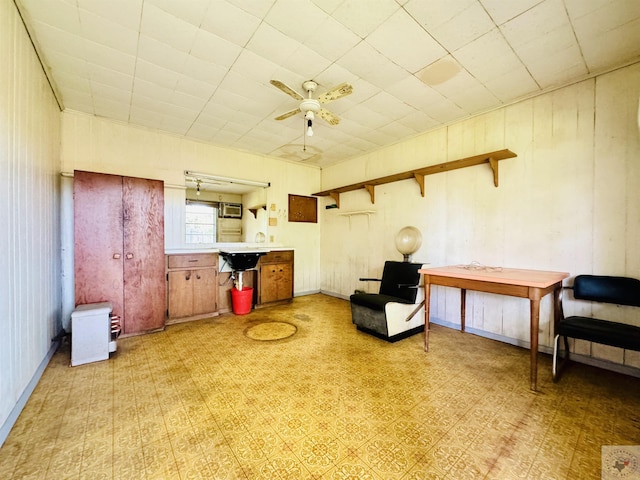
493 163
371 189
336 198
255 210
420 179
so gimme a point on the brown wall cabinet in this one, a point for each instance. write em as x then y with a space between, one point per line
192 286
275 277
119 247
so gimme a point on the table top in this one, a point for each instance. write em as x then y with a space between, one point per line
510 276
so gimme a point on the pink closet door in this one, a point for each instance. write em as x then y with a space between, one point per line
98 239
144 265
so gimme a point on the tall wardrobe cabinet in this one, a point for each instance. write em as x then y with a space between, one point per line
119 247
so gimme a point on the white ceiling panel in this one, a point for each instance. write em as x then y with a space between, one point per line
202 68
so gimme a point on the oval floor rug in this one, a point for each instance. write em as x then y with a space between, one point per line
271 331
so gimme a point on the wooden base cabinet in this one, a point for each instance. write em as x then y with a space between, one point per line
275 277
119 247
192 286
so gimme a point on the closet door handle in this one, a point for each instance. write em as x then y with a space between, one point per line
116 256
129 256
188 277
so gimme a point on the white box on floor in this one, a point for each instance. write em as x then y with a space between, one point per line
90 333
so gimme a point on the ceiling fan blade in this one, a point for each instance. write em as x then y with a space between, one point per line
328 117
288 114
336 93
286 89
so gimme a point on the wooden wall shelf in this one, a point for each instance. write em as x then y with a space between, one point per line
418 174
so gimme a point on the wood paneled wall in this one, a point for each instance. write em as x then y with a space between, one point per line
569 202
29 215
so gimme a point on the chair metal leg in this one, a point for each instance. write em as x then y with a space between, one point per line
554 369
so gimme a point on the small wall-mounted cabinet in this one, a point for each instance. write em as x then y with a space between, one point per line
192 286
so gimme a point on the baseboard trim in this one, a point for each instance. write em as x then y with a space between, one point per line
22 401
575 357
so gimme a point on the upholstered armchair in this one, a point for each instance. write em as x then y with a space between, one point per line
397 310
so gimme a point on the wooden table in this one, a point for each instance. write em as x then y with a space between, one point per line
531 284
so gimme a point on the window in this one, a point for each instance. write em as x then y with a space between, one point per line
201 222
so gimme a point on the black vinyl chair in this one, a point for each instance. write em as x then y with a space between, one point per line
394 312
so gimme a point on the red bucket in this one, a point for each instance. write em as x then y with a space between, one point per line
241 300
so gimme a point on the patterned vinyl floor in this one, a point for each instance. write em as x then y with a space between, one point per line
201 400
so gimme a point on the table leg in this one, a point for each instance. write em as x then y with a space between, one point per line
427 309
463 307
535 323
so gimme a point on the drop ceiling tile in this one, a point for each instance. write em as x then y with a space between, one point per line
388 105
211 48
195 88
177 125
68 64
368 118
255 67
512 85
580 8
306 62
80 101
295 19
161 54
364 17
414 93
558 68
109 58
331 39
271 44
101 90
502 11
160 76
369 64
445 111
108 108
419 121
398 130
168 29
402 39
256 8
73 82
190 102
192 11
144 117
488 57
110 34
110 77
57 40
466 26
55 13
535 23
230 22
123 12
621 43
203 71
475 99
435 14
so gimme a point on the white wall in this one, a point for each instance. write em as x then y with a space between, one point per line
29 205
568 202
95 144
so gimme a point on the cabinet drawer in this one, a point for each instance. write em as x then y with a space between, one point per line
277 257
193 260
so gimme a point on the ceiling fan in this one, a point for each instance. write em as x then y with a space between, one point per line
311 106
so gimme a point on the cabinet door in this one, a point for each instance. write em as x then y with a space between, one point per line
180 293
285 281
205 286
98 248
144 269
275 282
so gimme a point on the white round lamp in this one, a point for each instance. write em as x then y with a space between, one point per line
408 241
